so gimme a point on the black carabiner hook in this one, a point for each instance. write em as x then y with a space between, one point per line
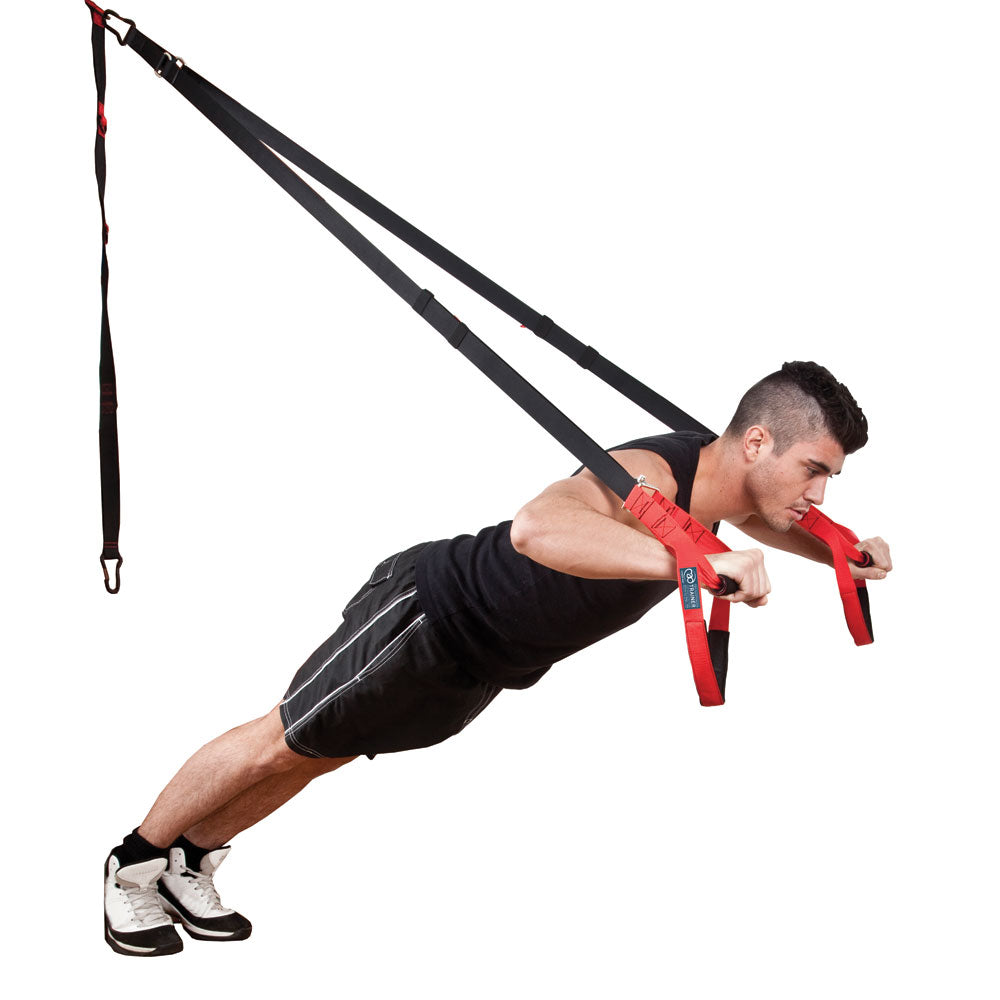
127 20
107 577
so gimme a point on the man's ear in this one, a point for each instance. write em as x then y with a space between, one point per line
756 443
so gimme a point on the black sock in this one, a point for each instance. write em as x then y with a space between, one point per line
193 854
135 848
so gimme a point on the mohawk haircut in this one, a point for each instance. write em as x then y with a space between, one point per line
799 403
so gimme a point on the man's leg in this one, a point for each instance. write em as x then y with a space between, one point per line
258 801
157 875
220 783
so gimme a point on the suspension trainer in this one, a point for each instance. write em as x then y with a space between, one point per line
689 541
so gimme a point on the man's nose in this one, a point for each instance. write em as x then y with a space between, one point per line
815 492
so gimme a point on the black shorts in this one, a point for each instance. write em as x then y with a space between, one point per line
383 682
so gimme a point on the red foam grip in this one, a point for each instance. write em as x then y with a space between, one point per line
701 664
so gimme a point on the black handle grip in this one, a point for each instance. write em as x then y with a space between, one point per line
866 559
727 585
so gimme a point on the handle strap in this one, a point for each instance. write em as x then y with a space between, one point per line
842 544
689 542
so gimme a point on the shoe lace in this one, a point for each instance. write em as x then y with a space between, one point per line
204 882
145 903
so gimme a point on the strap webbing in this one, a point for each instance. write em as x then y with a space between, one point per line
108 426
587 357
261 141
193 87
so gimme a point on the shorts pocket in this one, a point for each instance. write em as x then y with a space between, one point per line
380 575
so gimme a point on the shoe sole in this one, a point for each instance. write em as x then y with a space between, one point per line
199 933
134 951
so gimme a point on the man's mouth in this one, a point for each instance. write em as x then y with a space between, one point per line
798 513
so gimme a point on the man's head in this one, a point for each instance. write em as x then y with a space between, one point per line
791 431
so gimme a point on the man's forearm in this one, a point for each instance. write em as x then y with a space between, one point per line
796 540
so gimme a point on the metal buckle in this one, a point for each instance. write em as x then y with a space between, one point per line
641 481
168 67
125 20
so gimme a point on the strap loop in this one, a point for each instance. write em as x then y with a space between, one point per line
457 335
544 328
422 302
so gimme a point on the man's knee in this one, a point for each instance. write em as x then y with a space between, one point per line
323 765
273 755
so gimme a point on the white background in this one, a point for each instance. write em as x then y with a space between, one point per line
702 191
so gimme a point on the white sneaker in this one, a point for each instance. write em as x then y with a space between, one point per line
191 899
134 920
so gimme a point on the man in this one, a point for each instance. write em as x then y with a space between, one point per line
440 629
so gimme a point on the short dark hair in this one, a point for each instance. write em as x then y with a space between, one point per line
800 402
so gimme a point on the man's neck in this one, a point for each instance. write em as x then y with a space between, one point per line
718 492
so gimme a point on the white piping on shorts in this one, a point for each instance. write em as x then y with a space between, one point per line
481 704
364 628
385 653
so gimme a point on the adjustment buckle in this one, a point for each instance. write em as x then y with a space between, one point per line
122 39
168 67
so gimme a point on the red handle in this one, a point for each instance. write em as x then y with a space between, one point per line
842 543
689 541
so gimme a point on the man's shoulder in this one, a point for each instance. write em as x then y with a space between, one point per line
669 444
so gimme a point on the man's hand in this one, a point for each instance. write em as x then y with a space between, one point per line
747 569
881 560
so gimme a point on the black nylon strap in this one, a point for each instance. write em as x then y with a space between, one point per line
649 400
201 95
108 423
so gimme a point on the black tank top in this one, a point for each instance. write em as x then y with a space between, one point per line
508 618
